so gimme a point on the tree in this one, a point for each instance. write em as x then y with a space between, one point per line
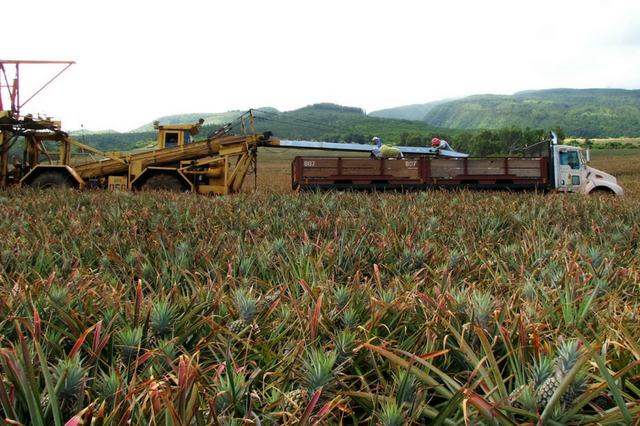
485 143
510 139
532 136
463 142
559 133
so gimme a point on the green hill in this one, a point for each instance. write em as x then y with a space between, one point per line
210 118
321 122
335 123
408 112
590 113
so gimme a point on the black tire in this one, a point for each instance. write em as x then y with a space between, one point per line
52 180
165 182
601 190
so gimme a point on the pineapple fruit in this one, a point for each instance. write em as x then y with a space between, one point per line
265 302
293 400
568 354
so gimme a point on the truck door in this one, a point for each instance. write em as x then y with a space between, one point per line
570 174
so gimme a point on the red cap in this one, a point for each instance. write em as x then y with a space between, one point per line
435 141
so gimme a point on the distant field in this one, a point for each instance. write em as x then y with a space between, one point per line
635 141
622 163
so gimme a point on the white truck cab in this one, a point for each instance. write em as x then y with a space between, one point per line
573 173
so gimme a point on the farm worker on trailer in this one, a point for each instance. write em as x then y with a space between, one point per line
440 144
378 147
381 150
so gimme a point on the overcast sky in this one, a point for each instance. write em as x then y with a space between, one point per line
137 61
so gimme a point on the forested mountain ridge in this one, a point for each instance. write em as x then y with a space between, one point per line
408 112
589 113
320 122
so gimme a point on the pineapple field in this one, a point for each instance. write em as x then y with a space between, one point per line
337 308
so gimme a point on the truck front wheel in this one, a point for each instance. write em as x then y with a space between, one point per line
52 180
165 182
598 190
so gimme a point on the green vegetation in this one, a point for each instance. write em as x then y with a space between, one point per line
334 123
408 112
590 113
276 308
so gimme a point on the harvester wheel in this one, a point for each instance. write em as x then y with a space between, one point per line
52 180
165 182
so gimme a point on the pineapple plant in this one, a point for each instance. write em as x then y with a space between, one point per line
109 387
344 344
541 370
523 398
480 308
52 342
350 318
459 305
245 304
6 260
407 387
59 295
340 299
70 378
128 343
167 352
161 320
319 372
231 389
568 354
523 395
391 414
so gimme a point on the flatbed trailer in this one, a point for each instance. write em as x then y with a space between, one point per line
545 166
419 173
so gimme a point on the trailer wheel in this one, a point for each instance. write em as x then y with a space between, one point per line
52 180
164 182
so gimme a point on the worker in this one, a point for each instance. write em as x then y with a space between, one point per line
376 150
381 150
441 145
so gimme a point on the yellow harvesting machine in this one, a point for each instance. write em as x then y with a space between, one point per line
50 157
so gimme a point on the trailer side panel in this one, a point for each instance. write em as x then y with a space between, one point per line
419 173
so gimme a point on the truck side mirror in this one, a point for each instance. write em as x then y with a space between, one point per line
588 156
